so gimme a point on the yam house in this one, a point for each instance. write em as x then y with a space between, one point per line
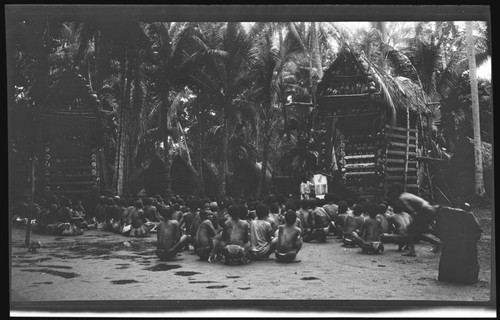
371 124
69 139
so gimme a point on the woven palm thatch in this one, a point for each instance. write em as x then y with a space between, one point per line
400 90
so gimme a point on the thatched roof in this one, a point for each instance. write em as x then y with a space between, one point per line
399 91
69 86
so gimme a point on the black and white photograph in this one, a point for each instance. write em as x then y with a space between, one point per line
250 160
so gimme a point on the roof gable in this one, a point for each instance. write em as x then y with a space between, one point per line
71 94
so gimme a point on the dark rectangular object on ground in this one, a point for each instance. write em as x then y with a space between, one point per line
459 231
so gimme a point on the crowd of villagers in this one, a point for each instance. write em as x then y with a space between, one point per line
237 230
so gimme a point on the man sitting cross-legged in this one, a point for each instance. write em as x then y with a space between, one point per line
353 224
262 234
203 243
170 241
319 221
289 239
368 238
235 240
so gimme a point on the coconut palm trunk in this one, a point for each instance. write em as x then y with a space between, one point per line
316 51
225 152
478 163
121 158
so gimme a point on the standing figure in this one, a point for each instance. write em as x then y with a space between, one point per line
422 212
305 188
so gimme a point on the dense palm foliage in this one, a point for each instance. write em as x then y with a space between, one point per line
212 94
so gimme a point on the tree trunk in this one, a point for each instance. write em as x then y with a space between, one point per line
169 160
121 161
383 39
316 50
407 149
478 162
200 154
225 151
263 183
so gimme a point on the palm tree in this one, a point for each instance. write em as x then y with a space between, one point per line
219 63
121 49
478 172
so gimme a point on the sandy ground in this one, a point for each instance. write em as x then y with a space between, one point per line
100 265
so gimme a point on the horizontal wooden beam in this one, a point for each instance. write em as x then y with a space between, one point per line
399 161
70 183
359 165
401 153
72 191
71 175
399 136
400 169
401 178
400 129
56 167
360 156
369 173
401 145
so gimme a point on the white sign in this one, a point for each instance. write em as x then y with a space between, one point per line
320 185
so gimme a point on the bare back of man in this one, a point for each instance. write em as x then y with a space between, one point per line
319 222
332 210
423 215
203 244
369 237
289 240
235 242
169 240
399 236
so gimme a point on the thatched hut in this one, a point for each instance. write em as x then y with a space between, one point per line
370 124
69 139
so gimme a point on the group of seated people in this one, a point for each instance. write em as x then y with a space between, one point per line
369 225
237 229
55 216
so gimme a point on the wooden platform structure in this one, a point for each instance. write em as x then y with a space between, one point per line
371 124
69 139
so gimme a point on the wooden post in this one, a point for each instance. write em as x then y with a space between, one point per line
31 207
407 146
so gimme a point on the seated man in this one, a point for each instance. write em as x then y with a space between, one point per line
353 224
368 239
331 209
188 217
234 242
303 214
274 217
319 221
289 239
138 229
399 221
343 212
170 241
262 234
204 238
